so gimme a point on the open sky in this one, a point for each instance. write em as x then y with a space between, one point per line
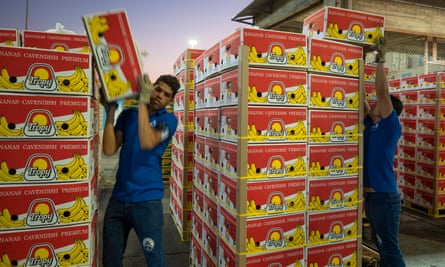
163 28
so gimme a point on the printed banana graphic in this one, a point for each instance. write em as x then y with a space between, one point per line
75 126
298 168
298 132
373 36
5 261
297 203
255 96
352 135
297 238
10 221
353 101
298 57
317 170
78 212
97 25
251 245
318 136
76 82
353 68
318 101
7 175
114 84
318 64
7 129
352 167
78 254
9 82
334 32
298 96
315 237
255 57
76 169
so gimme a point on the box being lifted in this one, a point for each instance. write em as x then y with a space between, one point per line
116 55
344 25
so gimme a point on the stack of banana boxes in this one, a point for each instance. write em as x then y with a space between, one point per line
420 162
181 174
48 151
276 176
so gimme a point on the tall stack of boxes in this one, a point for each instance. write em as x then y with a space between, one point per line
181 174
48 151
277 169
420 160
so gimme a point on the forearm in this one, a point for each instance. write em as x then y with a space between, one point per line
146 133
381 82
109 135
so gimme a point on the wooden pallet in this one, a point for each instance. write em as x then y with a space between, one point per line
435 213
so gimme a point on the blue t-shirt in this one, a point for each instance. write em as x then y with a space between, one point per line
139 176
380 142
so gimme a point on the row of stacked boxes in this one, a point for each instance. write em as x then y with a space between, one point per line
421 152
182 148
48 150
276 164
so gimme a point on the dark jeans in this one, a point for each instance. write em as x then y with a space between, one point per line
147 220
383 212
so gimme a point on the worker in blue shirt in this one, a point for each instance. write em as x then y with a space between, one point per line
142 134
382 198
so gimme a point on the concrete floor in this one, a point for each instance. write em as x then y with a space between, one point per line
422 238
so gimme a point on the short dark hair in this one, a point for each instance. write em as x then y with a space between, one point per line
171 81
396 104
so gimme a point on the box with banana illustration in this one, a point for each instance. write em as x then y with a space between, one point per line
56 41
337 254
263 233
333 160
212 92
47 205
332 226
333 126
333 193
265 160
265 123
47 116
72 245
47 160
212 63
333 92
186 60
263 196
289 257
266 48
43 71
117 57
344 25
9 37
333 57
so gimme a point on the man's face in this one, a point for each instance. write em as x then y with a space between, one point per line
162 96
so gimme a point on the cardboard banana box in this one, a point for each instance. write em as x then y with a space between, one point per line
266 48
262 233
337 254
47 116
264 160
117 58
265 123
290 257
333 92
333 160
344 25
332 226
9 37
48 160
266 87
333 126
56 41
333 193
43 71
186 60
334 57
73 245
47 205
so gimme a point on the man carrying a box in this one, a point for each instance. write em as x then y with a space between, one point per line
382 198
142 134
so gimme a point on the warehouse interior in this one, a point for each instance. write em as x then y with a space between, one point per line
416 45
